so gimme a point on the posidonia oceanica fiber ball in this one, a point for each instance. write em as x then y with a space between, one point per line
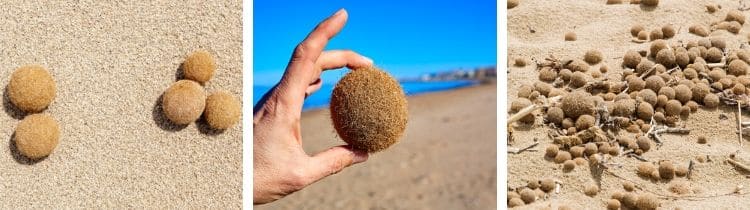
369 109
37 135
223 110
31 88
199 66
184 102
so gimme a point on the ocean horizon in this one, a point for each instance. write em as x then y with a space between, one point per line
322 97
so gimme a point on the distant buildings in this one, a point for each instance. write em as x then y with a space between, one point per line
482 74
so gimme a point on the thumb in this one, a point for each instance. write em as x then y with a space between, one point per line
334 160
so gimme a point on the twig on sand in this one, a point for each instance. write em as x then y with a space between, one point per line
516 150
639 41
738 165
636 156
739 123
531 108
691 165
655 133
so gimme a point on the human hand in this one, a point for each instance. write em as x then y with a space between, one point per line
281 166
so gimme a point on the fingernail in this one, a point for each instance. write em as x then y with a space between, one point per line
360 156
368 59
341 11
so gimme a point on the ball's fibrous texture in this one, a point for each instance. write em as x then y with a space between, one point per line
593 56
514 202
700 91
647 202
666 58
735 15
683 93
223 110
657 46
584 122
655 34
590 148
369 109
643 35
668 31
555 115
713 55
631 59
512 3
577 151
184 102
655 83
644 66
645 111
643 143
737 68
551 151
699 30
645 169
635 29
578 79
528 195
31 88
199 66
624 108
673 108
613 204
591 190
37 135
578 65
547 74
628 186
629 200
562 156
547 185
711 101
666 169
569 165
577 103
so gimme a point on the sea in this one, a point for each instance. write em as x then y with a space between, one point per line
322 97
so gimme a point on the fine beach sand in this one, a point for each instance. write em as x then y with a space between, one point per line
111 63
445 161
607 29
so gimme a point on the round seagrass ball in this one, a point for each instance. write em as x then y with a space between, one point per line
37 136
369 109
199 66
31 88
223 110
184 102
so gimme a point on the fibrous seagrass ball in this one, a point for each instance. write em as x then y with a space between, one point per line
591 190
731 26
636 84
693 105
661 101
528 195
690 73
533 183
737 68
547 74
645 111
683 93
579 79
711 101
655 83
657 46
644 66
199 66
565 74
711 8
655 34
580 161
682 58
184 102
645 169
643 35
700 91
666 169
570 36
680 170
525 91
673 108
630 200
31 88
635 29
577 151
37 135
368 109
562 156
577 103
699 30
738 89
667 91
584 122
547 185
551 151
223 110
668 31
590 149
569 165
578 65
543 88
520 62
631 59
513 194
515 202
647 202
650 3
643 143
568 123
718 43
713 55
593 56
735 15
628 186
555 115
624 108
613 204
666 58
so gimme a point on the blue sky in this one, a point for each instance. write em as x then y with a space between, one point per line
406 38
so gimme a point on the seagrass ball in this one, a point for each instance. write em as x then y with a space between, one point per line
547 74
713 55
644 66
737 68
223 110
584 122
630 200
643 143
562 156
735 15
551 151
369 109
570 36
613 204
673 108
666 58
578 65
184 102
655 83
528 195
547 185
624 108
631 59
628 186
37 135
718 43
647 202
699 30
577 151
650 3
591 190
199 66
668 31
515 202
577 103
519 104
555 115
643 35
667 91
569 165
533 183
579 79
655 34
31 88
666 169
525 91
683 93
700 91
711 101
565 74
657 46
645 169
738 89
645 111
593 56
635 29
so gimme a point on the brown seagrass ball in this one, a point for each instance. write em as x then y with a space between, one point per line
369 109
199 66
184 102
37 135
31 88
223 110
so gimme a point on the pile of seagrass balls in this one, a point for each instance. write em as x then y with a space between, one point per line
185 100
31 90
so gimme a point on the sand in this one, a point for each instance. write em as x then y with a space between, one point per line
606 28
445 161
111 62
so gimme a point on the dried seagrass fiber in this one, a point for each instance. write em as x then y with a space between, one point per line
369 109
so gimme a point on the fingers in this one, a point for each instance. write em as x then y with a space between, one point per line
335 59
334 160
315 86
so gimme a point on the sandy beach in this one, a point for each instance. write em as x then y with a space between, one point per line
445 161
111 62
536 29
